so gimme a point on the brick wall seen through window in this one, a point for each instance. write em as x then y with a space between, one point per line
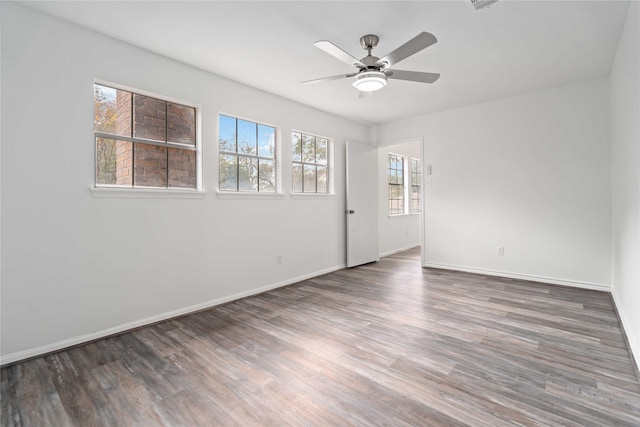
142 141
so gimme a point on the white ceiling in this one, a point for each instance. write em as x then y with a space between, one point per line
511 48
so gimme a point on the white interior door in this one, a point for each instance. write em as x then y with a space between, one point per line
362 204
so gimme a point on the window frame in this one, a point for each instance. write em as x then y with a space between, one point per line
403 184
108 190
237 193
329 167
417 173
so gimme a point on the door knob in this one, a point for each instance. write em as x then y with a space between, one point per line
350 212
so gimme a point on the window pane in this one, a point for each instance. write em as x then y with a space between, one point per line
267 175
228 172
296 147
321 151
415 172
322 180
149 118
309 179
113 162
150 165
112 110
182 168
181 124
392 192
396 177
415 199
266 141
247 137
247 174
297 178
227 131
308 149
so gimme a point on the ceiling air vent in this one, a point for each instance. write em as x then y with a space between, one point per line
479 4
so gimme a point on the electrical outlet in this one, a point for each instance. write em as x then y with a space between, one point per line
501 250
278 259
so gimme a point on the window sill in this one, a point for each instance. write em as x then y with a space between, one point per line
248 195
397 215
313 195
146 193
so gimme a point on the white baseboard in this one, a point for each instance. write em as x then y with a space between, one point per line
395 251
629 332
550 280
37 351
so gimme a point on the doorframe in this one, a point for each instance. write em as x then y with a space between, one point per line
423 156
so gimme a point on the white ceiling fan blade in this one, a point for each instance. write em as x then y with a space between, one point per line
338 53
326 79
416 44
412 76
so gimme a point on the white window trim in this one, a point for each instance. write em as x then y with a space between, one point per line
151 192
405 182
226 194
312 195
411 211
146 193
330 167
235 194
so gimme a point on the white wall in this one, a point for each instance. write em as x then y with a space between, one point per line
396 232
530 173
75 267
625 177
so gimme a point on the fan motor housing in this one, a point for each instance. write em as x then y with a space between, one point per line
369 41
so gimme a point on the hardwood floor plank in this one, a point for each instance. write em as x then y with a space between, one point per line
385 344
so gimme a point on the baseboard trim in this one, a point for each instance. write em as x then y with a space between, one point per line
126 327
632 344
396 251
543 279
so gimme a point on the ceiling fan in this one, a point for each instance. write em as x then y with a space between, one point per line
372 71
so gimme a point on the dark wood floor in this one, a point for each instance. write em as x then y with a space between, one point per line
383 344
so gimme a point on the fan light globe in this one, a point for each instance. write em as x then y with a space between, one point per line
370 81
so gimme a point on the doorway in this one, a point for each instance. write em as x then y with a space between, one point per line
377 224
401 177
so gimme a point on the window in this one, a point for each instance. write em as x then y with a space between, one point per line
396 185
416 181
247 156
142 141
310 163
